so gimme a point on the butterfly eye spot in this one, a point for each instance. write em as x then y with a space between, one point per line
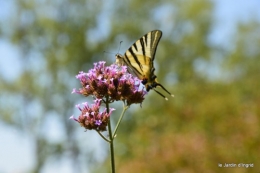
154 77
144 81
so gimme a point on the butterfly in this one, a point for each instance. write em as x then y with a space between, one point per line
139 60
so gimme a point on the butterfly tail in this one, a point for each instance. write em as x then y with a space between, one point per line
160 85
161 94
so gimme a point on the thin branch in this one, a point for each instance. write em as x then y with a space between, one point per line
103 136
120 119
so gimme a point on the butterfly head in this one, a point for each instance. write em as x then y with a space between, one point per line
119 59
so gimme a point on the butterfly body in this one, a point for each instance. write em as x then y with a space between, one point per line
139 60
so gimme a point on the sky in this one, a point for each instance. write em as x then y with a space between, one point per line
227 14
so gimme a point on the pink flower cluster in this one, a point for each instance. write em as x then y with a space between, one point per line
111 82
107 84
91 118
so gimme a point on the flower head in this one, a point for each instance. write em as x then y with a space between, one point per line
111 82
107 84
91 118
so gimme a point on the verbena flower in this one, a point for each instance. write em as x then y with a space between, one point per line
107 84
113 82
91 118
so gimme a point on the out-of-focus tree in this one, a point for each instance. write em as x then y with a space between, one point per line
55 43
210 120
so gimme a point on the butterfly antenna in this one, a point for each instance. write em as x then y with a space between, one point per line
161 94
119 46
107 52
165 89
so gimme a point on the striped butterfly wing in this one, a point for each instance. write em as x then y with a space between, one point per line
139 60
146 46
139 57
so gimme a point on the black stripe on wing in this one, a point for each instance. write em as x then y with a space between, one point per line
145 39
129 64
143 46
135 57
155 38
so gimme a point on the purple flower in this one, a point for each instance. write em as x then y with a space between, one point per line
91 118
112 82
107 84
98 122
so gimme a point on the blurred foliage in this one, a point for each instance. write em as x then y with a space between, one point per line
211 120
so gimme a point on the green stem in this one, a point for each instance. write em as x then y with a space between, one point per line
120 119
103 136
111 140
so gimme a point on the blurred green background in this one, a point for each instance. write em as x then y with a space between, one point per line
213 119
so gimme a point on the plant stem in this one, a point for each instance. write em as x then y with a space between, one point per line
111 140
111 148
103 136
120 119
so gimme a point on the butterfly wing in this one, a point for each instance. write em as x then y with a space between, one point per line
139 60
139 57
